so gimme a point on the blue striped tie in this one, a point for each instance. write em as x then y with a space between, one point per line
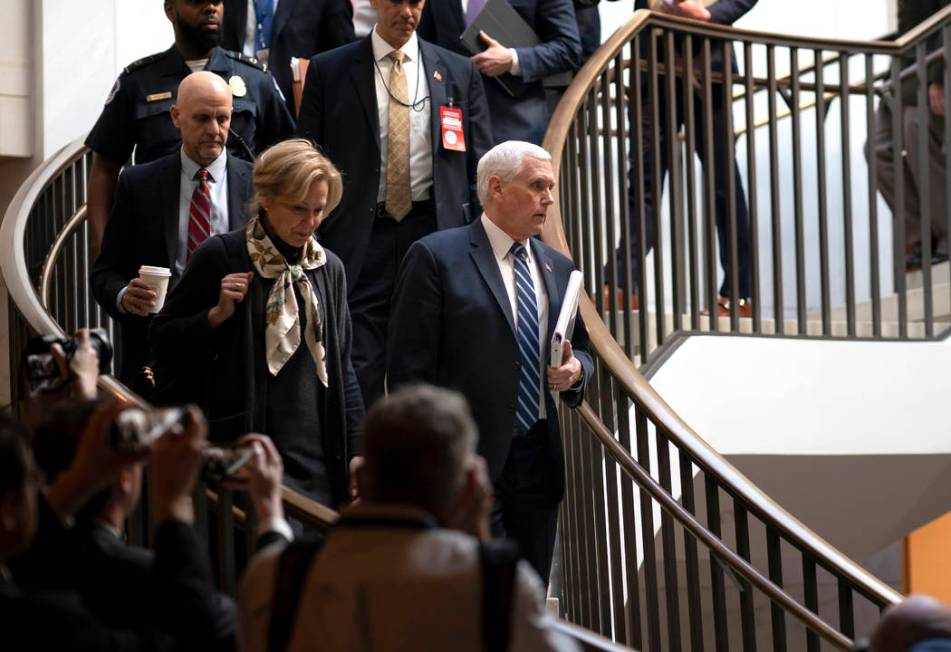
526 413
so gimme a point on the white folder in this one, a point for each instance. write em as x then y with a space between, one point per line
566 318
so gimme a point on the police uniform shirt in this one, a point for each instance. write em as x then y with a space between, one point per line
137 112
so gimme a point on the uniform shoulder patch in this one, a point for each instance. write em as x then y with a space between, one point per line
248 61
141 63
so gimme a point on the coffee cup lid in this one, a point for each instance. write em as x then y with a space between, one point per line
155 271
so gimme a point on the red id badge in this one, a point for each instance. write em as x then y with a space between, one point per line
450 118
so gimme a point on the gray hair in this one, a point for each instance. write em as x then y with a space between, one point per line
505 161
416 444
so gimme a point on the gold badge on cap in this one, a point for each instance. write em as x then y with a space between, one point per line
238 88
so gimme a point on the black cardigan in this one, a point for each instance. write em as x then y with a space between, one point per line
221 368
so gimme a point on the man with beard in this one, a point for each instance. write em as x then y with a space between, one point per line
137 111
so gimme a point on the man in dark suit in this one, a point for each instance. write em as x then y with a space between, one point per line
474 310
406 123
273 31
165 208
525 116
725 12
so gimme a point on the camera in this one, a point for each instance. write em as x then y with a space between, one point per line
135 429
224 463
38 361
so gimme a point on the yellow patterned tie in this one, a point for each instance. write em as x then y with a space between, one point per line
399 199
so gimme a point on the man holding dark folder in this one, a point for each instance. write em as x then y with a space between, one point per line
547 44
474 310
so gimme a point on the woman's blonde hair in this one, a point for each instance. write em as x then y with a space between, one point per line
286 172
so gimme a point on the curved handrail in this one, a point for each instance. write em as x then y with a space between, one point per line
613 357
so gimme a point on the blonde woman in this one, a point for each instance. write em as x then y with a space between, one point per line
258 328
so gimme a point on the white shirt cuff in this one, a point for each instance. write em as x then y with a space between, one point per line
277 524
516 69
119 296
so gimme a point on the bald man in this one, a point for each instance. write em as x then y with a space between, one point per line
164 209
919 618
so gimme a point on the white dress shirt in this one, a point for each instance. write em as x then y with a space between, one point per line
516 69
501 245
217 186
420 136
250 47
364 17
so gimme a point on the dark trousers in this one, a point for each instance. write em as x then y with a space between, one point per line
370 297
525 509
722 166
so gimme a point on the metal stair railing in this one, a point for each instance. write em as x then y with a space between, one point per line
665 545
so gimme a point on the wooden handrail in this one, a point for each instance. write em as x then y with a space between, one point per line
616 360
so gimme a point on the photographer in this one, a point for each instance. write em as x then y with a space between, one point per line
92 559
33 525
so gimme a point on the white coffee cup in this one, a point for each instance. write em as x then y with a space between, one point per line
157 279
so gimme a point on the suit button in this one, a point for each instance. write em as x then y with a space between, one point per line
518 363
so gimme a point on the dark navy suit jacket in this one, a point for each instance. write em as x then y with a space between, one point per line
143 230
301 29
524 117
339 113
452 326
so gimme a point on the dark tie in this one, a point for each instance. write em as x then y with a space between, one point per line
199 215
526 413
264 17
473 9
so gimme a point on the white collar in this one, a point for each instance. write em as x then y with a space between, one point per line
382 49
216 169
500 240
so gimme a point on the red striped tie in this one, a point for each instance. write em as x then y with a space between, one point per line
199 221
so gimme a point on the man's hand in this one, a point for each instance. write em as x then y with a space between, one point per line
563 377
84 367
234 287
265 474
495 60
176 461
355 463
936 98
138 298
684 9
473 502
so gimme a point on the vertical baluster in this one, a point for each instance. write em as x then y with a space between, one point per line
657 189
675 175
709 190
898 178
647 539
690 158
569 518
844 104
636 112
774 190
811 593
752 197
924 184
624 273
775 561
691 564
729 166
588 220
747 617
825 298
633 621
614 534
595 196
874 264
797 192
589 557
846 610
720 624
224 519
607 214
667 534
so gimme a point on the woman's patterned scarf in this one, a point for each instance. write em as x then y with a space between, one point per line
282 336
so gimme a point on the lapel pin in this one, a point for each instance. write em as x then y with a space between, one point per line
437 76
548 268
